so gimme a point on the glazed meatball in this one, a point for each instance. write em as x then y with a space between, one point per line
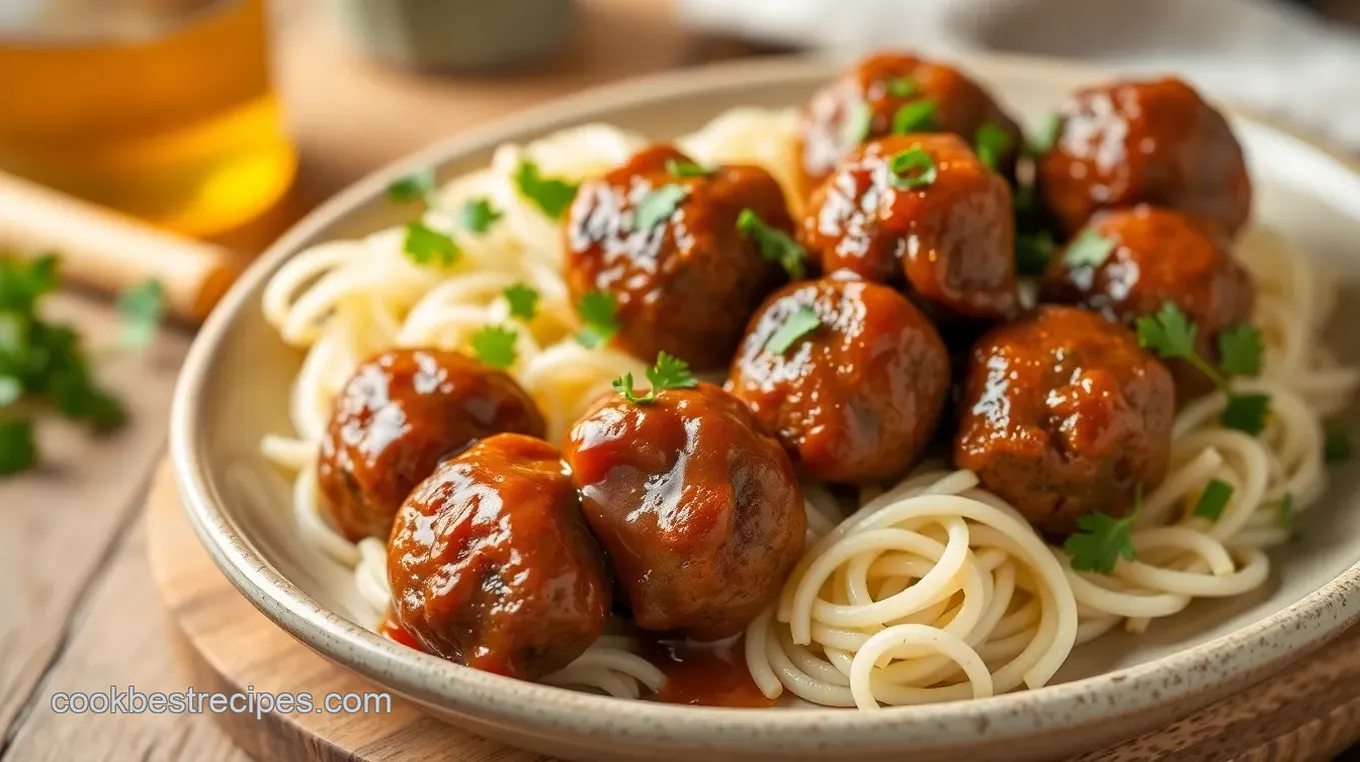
397 416
700 513
867 100
492 566
919 210
1143 142
1063 414
667 247
856 396
1155 256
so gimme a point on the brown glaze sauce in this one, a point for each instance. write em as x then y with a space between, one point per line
704 674
391 629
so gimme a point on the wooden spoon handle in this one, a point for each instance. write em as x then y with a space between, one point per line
107 251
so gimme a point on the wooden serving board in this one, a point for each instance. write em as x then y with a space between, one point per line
1309 713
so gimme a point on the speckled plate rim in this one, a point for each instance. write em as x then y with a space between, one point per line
1198 674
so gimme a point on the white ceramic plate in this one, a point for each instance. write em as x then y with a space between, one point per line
234 389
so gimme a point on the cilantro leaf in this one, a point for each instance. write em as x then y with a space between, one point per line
552 195
495 346
688 169
428 247
1169 333
142 308
1090 249
599 313
1247 412
1033 252
991 142
1240 350
18 447
523 300
669 372
1337 446
22 284
1046 136
901 87
478 215
912 169
918 116
857 123
657 206
773 243
797 325
412 187
1213 499
1101 540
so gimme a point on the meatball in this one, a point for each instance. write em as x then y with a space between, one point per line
667 247
396 417
1063 414
1143 142
920 210
700 513
492 566
1155 256
866 101
856 397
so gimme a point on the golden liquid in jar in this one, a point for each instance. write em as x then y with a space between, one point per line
159 108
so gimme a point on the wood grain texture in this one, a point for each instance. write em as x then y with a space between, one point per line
1307 714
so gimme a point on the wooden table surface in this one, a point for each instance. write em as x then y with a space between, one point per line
78 611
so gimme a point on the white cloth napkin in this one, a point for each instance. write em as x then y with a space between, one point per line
1272 56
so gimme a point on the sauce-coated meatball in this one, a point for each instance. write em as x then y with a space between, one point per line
864 103
951 240
687 283
1144 142
1157 256
857 397
700 513
1063 414
492 566
396 417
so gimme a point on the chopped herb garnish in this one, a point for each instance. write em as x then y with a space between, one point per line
1240 349
912 169
1337 446
901 87
1288 517
1213 499
523 300
428 247
668 373
1033 252
688 169
657 206
549 194
412 187
478 215
1046 136
774 244
1100 541
918 116
599 317
142 308
802 322
11 389
18 447
1090 249
991 143
495 345
858 121
1247 412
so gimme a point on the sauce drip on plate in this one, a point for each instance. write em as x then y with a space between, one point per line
704 674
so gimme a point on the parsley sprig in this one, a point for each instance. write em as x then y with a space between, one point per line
774 244
478 215
494 345
551 195
669 372
1172 335
523 300
1100 540
599 318
657 205
414 187
428 247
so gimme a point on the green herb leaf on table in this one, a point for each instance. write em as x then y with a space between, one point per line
551 195
18 447
1033 251
1213 499
478 215
1090 249
912 169
918 116
494 345
857 123
902 87
991 142
773 243
523 300
669 372
1247 412
428 247
1101 540
797 325
688 169
1337 446
413 187
1046 136
599 316
142 308
11 389
657 206
1240 350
